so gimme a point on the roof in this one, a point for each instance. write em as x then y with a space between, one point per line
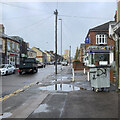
82 45
103 27
17 38
2 35
29 49
48 53
116 28
39 49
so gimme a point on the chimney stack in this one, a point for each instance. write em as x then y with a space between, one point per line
2 28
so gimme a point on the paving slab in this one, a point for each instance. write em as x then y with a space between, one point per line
78 104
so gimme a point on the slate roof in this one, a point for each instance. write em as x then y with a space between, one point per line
29 49
39 49
103 27
2 35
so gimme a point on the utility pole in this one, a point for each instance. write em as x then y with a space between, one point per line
61 41
56 14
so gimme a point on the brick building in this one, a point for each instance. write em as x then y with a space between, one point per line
9 49
23 47
82 52
99 36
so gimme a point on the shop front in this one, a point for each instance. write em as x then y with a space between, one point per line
13 58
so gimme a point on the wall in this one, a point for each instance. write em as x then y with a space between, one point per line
118 10
81 54
110 42
48 57
39 55
13 52
31 54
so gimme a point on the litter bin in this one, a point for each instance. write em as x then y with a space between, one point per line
99 77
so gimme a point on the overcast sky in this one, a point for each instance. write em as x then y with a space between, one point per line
34 21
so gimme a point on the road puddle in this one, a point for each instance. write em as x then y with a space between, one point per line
62 77
5 115
41 108
60 87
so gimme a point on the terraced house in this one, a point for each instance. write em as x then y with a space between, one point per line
41 56
9 49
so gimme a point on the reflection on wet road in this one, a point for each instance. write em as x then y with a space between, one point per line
60 87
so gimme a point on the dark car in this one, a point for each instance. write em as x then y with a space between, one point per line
28 65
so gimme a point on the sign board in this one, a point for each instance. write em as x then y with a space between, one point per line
100 48
23 55
87 40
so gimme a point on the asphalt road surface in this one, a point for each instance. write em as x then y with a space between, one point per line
43 101
13 82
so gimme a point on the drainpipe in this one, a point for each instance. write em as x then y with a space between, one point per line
117 61
6 51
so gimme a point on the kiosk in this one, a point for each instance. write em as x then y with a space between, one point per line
99 69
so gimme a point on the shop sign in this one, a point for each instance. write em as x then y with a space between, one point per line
13 54
100 48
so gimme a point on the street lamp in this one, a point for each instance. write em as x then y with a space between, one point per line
61 40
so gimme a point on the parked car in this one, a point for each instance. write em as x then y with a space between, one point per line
64 63
7 69
51 63
58 62
41 65
28 65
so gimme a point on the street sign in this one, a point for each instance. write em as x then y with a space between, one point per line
87 40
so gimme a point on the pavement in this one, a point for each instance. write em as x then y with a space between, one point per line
60 97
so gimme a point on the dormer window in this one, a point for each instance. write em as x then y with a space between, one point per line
101 39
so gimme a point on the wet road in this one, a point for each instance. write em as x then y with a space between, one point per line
69 100
13 82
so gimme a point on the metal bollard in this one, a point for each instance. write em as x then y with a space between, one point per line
73 75
88 76
84 70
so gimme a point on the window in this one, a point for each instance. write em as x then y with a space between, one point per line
101 39
8 45
17 47
13 45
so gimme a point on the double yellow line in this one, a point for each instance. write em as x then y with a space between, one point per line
15 92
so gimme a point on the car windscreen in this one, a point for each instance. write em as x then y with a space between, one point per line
2 66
